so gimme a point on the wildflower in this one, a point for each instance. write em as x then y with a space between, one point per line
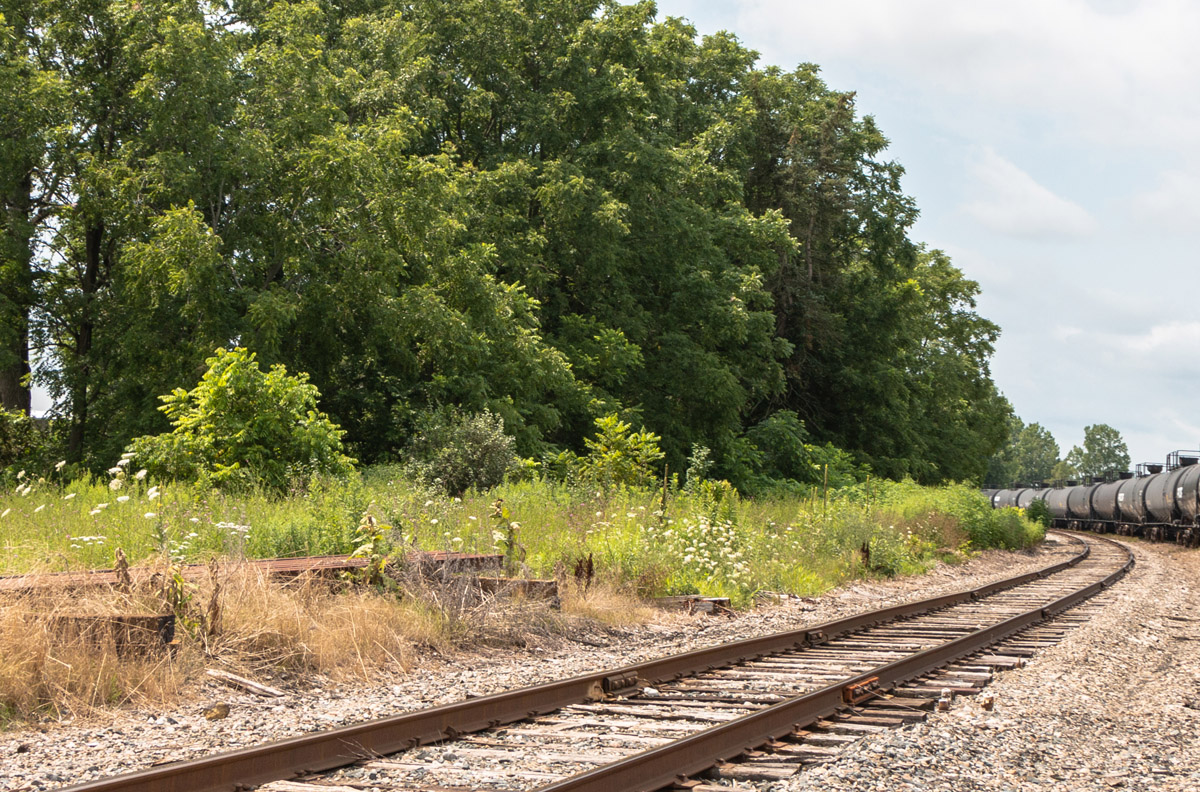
20 475
140 475
122 462
101 505
457 540
112 471
472 518
150 515
497 537
75 546
428 504
39 508
194 520
60 464
4 513
433 521
193 535
69 496
128 455
152 494
115 484
122 498
94 512
458 500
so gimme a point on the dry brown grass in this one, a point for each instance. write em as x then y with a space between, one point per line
257 624
606 603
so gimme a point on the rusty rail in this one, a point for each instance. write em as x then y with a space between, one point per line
283 567
236 770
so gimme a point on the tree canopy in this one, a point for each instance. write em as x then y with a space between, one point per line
549 211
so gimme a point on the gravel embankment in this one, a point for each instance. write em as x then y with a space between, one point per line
1042 713
1115 706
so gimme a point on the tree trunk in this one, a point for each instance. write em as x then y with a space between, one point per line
16 288
79 390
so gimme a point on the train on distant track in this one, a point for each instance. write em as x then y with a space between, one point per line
1158 502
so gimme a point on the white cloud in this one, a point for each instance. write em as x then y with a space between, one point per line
1106 71
1011 202
1173 204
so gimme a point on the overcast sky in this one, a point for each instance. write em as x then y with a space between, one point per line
1050 146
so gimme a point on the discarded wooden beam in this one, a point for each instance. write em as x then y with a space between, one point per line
241 683
694 603
529 588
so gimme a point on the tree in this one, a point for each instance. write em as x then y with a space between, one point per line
1103 451
1035 454
242 425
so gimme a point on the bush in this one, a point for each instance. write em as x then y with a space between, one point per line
241 425
455 452
618 457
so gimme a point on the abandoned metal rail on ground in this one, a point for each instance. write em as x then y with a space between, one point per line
781 693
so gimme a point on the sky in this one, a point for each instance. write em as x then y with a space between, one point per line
1050 146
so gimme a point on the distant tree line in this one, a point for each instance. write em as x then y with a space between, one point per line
1031 456
546 211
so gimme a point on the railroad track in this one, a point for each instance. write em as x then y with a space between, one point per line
776 704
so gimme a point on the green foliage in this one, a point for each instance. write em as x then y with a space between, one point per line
547 211
241 425
455 452
1104 451
1029 456
24 444
1039 512
618 457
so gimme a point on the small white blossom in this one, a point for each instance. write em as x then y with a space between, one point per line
140 475
433 521
122 462
69 496
60 464
4 513
128 455
94 512
101 505
39 508
150 515
122 498
152 494
20 475
112 471
428 504
115 484
195 519
472 518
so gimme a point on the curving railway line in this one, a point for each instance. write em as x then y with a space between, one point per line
775 704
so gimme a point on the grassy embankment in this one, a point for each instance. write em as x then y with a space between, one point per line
709 542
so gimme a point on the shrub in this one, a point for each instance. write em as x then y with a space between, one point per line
243 425
619 457
456 452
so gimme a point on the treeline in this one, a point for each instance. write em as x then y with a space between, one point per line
552 210
1031 456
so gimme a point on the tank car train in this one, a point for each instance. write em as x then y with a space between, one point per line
1158 502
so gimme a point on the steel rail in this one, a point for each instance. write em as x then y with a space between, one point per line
237 770
660 767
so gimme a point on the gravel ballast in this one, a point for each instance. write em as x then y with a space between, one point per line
1109 707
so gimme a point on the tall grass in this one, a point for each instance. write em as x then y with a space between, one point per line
707 541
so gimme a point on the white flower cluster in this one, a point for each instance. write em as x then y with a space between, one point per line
714 550
87 541
235 530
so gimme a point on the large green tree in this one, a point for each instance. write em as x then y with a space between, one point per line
1103 451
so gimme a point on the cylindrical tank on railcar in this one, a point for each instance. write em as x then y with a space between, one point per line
1140 490
1131 501
1104 501
1187 495
1056 501
1007 498
1160 496
1027 497
1079 501
990 494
